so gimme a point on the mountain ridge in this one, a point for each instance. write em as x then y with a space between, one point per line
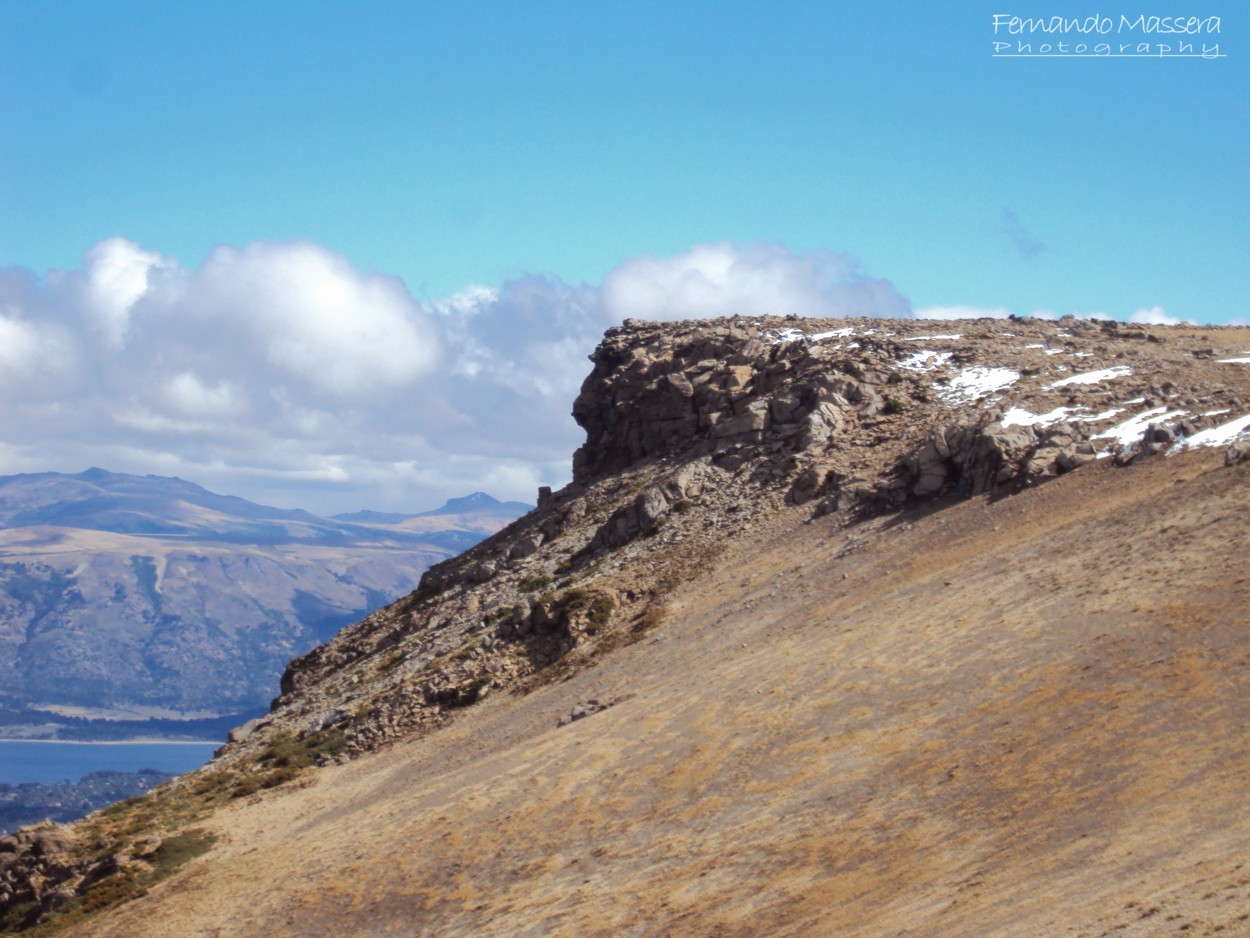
841 628
124 590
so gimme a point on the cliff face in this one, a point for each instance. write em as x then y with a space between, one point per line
843 632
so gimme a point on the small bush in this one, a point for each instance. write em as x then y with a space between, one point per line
534 583
601 608
180 848
286 751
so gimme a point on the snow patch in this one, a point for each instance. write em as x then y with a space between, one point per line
798 335
1019 417
973 383
1105 415
1131 430
925 361
1222 435
926 338
1092 377
1235 361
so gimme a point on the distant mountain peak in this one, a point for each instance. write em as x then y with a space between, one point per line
476 503
476 500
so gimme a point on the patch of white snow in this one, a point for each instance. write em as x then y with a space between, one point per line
1105 415
833 334
794 334
1131 430
976 382
925 361
1221 435
1092 377
788 335
1019 417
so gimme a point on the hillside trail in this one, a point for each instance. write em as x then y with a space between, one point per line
1000 716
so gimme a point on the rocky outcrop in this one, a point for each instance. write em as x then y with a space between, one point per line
720 389
981 456
694 428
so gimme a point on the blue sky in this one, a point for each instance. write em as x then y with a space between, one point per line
437 147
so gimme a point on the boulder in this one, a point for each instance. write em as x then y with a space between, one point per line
1238 452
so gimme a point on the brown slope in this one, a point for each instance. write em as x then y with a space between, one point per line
1020 716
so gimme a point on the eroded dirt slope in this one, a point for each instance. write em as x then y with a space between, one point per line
1019 715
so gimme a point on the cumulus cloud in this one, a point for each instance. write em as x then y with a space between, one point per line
724 280
283 373
115 278
1155 316
188 394
313 316
33 355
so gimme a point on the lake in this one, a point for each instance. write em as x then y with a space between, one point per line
40 761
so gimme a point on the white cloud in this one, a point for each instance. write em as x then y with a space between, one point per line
282 373
1155 316
19 346
188 394
314 317
724 280
34 357
116 277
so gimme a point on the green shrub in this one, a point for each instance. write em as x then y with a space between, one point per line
179 849
534 583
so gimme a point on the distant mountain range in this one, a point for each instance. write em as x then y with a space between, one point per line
124 597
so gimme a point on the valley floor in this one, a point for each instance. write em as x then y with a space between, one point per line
1014 717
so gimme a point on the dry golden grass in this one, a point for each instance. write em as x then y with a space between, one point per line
1018 717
